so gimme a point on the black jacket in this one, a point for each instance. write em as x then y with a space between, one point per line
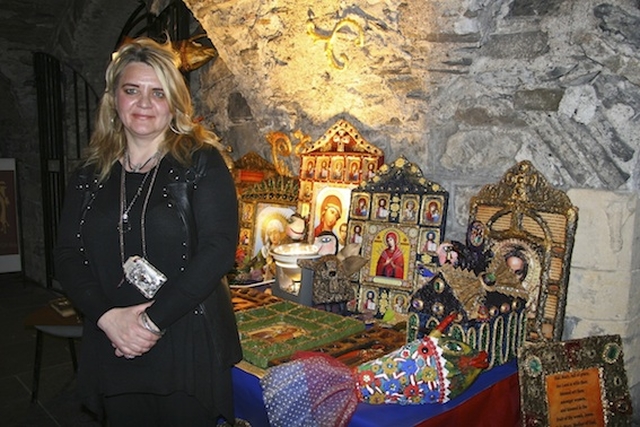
191 228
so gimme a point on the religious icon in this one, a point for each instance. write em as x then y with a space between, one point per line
409 209
323 171
391 260
381 206
309 169
329 214
432 211
360 205
355 235
400 303
430 241
354 170
337 168
370 170
370 303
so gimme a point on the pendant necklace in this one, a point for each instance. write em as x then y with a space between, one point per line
124 225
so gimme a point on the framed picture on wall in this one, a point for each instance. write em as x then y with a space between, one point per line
10 258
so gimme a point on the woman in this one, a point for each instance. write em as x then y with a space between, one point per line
391 261
153 186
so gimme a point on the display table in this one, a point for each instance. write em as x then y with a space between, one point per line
492 400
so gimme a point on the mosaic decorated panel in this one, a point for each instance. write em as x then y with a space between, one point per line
278 330
360 347
577 382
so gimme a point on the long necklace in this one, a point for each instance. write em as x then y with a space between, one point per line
124 225
138 166
121 227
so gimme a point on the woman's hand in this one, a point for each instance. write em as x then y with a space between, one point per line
128 336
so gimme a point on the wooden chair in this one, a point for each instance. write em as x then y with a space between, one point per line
46 320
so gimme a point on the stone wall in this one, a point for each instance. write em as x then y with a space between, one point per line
464 89
604 286
82 41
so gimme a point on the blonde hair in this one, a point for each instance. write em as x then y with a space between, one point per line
182 138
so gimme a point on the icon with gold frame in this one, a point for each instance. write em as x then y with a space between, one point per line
360 205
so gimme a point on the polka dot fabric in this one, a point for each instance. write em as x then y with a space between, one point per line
413 374
313 391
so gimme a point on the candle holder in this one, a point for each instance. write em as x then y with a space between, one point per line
292 282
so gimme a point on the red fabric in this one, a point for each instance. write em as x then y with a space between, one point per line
504 398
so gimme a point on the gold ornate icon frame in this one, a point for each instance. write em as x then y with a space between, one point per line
524 210
396 202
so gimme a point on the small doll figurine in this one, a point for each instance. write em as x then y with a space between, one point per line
295 228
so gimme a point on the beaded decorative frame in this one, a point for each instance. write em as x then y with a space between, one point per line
524 211
278 330
401 204
577 382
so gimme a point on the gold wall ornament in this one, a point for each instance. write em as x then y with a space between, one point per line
331 37
193 55
304 142
280 147
524 214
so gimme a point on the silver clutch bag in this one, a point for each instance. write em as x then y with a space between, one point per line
143 275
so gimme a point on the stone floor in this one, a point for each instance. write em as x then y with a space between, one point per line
57 404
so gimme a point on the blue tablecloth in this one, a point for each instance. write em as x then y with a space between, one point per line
489 409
